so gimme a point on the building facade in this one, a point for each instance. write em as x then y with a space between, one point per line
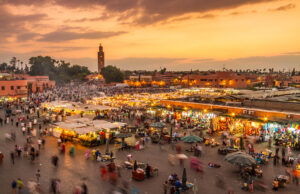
19 85
218 80
14 88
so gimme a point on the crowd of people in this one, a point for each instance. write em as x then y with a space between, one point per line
26 123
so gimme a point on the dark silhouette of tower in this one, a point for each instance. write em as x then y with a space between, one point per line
100 58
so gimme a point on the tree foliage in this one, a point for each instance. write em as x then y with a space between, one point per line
112 74
60 71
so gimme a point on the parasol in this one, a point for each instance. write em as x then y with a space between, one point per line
181 156
240 159
158 125
191 139
123 135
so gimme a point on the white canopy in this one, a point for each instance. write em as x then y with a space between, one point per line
68 125
75 106
84 125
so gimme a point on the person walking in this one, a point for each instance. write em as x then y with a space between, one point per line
14 186
39 143
43 142
148 169
23 130
165 186
38 176
87 154
12 157
63 148
55 160
1 158
84 189
19 184
53 186
72 150
251 184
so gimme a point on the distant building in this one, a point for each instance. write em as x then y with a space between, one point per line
100 59
17 85
13 88
167 78
295 82
217 80
146 78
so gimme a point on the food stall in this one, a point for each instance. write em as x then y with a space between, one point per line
85 131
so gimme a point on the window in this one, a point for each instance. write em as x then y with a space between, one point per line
12 87
2 87
18 87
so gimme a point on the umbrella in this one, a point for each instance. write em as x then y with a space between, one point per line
158 125
184 179
123 135
191 139
240 158
181 156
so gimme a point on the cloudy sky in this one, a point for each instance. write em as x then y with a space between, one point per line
150 34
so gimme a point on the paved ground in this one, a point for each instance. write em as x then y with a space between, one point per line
74 170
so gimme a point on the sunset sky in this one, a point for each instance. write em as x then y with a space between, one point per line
149 34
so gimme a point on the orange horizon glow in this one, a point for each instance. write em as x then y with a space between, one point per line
264 33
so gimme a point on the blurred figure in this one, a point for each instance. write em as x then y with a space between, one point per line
87 154
165 187
171 159
12 157
53 186
63 148
38 176
14 186
84 189
103 171
72 150
1 158
55 160
219 182
77 190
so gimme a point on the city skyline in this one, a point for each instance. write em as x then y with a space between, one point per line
139 34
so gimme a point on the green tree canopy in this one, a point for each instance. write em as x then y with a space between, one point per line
112 74
60 71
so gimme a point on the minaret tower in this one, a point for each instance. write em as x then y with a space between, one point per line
100 59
